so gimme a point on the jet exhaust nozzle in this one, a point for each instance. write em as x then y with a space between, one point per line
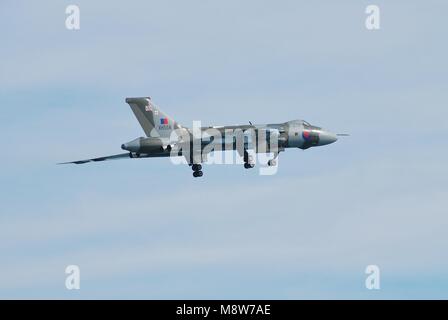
132 146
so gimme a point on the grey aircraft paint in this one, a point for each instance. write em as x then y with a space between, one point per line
160 129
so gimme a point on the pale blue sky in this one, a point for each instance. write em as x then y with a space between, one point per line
146 228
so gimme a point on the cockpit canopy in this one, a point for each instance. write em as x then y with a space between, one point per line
308 126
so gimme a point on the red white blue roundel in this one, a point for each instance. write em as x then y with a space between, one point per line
306 135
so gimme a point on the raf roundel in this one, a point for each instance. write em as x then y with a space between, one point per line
306 135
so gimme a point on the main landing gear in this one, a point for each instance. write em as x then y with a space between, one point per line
248 161
197 170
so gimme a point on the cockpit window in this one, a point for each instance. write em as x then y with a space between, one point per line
309 126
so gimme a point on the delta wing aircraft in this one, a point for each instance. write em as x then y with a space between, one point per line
167 138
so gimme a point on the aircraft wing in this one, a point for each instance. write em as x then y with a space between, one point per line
114 157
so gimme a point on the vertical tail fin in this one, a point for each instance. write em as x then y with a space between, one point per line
154 122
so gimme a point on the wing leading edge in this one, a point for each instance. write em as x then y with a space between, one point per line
114 157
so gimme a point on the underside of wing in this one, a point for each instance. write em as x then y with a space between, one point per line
114 157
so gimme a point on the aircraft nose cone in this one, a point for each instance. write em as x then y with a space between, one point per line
326 137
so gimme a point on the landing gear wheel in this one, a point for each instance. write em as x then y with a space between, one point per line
197 174
248 165
272 163
196 167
